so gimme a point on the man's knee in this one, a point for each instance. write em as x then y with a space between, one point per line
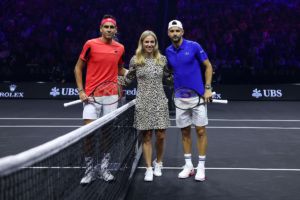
201 131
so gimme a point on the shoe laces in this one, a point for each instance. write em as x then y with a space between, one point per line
157 165
106 173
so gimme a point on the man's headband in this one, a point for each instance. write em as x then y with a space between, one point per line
108 20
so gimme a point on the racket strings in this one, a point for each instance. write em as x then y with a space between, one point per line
107 93
185 98
107 89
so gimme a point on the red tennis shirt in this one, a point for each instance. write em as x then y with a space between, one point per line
102 61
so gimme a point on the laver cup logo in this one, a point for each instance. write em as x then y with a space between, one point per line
56 91
12 93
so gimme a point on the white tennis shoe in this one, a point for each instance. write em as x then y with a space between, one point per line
89 177
103 171
188 170
157 168
149 174
200 175
105 175
89 174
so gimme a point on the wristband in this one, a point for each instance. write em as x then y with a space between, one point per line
126 72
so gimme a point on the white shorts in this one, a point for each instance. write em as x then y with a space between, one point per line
196 116
93 110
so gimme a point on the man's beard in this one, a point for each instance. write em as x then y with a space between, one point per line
176 39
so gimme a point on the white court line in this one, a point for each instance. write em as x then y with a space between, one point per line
31 118
253 127
208 127
251 120
233 168
256 120
172 119
178 168
247 127
39 126
54 167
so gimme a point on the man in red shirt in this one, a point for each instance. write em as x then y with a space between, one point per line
102 58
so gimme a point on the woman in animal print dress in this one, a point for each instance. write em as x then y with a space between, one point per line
151 112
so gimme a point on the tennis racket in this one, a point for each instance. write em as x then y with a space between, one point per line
186 98
106 93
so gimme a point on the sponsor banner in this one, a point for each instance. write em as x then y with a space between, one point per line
38 91
259 92
11 91
245 92
230 92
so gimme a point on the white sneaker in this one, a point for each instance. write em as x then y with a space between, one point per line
103 172
157 168
89 174
149 174
200 175
105 175
186 172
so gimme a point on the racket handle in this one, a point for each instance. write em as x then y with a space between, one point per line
223 101
71 103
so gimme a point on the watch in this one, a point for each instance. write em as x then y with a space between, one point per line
208 87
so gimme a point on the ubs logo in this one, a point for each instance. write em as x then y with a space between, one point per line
55 91
268 93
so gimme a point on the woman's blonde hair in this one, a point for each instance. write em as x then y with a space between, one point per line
140 54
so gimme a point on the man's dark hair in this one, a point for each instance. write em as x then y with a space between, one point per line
108 16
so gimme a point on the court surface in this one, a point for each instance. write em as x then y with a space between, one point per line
253 150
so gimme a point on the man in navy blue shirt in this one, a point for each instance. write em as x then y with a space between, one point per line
185 59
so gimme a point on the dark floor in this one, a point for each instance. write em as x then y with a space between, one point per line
253 150
253 153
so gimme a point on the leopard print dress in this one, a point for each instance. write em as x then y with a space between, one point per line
151 111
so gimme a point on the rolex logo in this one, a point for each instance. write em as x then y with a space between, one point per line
12 87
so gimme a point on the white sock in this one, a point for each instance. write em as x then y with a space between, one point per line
201 162
89 161
149 168
188 159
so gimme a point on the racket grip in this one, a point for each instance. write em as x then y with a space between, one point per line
72 103
223 101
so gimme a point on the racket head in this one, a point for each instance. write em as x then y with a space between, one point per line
186 98
107 93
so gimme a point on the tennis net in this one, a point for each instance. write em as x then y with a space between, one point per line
54 170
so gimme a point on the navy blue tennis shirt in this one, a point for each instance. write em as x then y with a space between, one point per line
185 62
